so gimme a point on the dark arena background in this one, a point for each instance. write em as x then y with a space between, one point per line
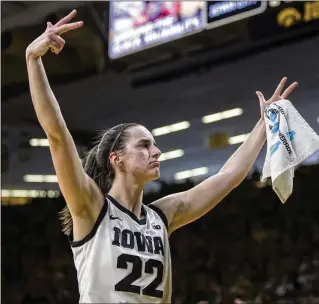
188 71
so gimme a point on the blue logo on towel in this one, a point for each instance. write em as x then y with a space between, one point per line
273 116
274 147
275 127
291 135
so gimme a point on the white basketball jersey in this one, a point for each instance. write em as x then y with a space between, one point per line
124 259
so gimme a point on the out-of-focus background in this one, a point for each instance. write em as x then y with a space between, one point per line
188 71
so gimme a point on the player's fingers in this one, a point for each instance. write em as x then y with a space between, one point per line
56 43
55 40
61 43
49 25
66 19
260 97
280 87
287 92
68 27
55 47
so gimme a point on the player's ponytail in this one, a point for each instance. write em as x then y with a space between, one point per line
97 165
98 173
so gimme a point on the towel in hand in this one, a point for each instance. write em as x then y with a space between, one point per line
290 140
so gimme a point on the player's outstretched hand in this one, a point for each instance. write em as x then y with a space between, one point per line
278 95
51 38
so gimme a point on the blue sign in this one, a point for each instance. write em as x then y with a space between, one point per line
223 12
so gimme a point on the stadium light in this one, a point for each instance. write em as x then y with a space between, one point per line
29 193
191 173
39 142
238 139
222 115
171 128
29 178
171 154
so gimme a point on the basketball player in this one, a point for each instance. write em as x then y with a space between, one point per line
120 246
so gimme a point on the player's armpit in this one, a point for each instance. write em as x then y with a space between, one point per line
185 207
169 206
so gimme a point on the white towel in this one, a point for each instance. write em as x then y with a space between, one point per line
290 140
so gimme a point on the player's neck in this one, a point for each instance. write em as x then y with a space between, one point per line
128 194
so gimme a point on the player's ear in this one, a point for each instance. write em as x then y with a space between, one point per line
116 159
120 162
113 158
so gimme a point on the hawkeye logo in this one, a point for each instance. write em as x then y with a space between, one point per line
291 16
273 116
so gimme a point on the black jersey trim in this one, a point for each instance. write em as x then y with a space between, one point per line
92 233
160 213
141 221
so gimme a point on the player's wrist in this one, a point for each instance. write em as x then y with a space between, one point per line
29 55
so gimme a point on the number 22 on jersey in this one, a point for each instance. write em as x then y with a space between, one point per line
127 285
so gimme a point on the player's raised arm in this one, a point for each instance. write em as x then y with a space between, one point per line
183 208
79 189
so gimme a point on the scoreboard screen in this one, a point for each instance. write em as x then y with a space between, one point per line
223 12
137 25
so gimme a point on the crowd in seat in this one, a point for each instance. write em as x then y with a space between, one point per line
250 248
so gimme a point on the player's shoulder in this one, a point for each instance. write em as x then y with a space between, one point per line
154 209
168 205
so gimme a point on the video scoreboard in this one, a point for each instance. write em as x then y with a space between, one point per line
138 25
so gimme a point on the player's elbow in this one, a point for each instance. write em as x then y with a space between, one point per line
234 178
57 133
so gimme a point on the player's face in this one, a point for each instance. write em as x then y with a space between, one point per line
141 155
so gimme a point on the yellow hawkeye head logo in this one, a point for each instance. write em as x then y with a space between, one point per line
289 17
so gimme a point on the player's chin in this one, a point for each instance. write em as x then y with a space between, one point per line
154 174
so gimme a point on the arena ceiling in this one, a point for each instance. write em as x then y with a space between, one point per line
94 93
